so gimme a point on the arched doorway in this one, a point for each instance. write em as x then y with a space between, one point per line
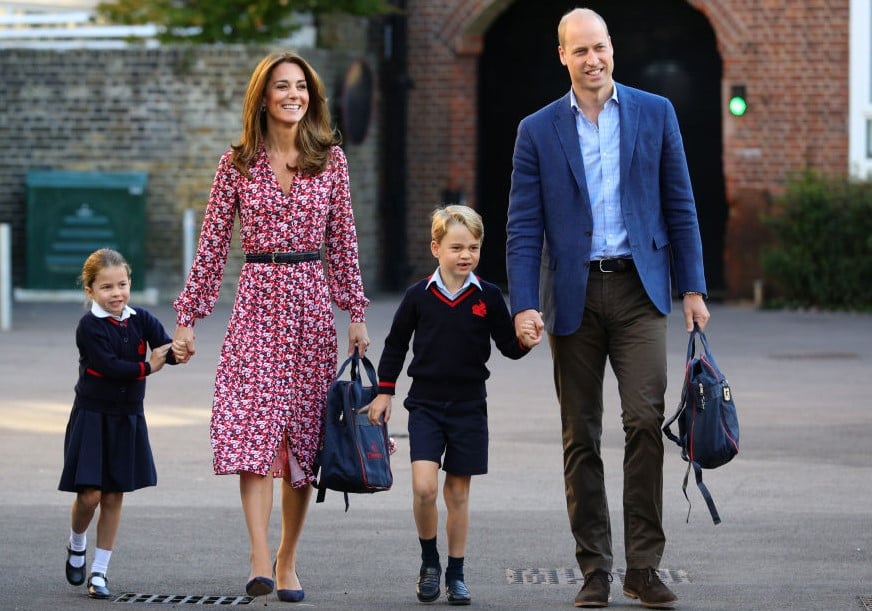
663 46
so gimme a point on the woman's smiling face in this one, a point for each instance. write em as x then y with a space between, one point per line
287 94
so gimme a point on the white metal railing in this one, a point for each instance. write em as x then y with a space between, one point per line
79 29
5 277
31 19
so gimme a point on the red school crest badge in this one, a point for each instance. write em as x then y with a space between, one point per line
480 309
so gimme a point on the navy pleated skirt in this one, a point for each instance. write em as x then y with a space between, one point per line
108 450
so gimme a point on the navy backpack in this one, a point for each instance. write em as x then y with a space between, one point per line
708 426
355 455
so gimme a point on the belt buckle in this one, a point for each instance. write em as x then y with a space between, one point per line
272 257
605 271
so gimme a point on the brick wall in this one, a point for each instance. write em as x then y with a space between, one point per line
170 112
791 56
793 59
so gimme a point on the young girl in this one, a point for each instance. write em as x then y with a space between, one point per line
106 448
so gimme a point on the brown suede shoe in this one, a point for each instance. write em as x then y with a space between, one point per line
595 591
645 585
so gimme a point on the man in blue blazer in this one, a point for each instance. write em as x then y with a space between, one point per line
600 209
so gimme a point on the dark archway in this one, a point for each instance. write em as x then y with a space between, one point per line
663 46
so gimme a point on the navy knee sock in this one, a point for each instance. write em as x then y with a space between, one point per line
429 553
454 572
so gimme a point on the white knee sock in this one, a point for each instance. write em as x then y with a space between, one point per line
101 560
78 543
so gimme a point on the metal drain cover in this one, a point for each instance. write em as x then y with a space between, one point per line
866 601
184 599
573 576
816 356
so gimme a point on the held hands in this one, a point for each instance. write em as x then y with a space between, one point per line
529 327
380 406
183 344
358 338
695 311
158 357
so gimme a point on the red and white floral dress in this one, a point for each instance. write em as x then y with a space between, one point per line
279 354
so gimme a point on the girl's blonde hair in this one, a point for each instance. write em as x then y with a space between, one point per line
315 134
98 261
446 216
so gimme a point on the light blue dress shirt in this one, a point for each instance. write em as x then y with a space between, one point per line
600 149
440 284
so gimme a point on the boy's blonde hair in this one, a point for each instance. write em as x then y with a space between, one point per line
446 216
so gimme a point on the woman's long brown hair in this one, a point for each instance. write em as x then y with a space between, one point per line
315 134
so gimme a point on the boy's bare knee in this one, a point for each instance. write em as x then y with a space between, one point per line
425 494
456 491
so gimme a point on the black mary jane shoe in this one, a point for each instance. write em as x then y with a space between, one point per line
75 574
457 593
260 586
97 583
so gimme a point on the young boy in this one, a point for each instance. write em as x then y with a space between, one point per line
453 315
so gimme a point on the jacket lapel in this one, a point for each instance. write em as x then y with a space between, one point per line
567 132
628 109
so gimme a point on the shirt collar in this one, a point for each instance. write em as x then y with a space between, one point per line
573 101
99 312
437 278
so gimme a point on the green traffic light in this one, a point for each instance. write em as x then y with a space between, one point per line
738 106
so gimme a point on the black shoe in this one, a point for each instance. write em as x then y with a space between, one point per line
457 592
427 587
595 591
75 574
97 586
645 585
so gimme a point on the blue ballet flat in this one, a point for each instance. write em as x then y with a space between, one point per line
260 586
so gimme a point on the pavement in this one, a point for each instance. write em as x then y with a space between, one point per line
796 503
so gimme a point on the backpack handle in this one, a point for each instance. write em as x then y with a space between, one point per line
695 335
355 361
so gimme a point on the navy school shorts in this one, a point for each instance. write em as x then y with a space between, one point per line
457 429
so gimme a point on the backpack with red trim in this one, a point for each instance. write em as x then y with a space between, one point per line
708 425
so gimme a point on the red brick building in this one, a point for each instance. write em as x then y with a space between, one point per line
476 67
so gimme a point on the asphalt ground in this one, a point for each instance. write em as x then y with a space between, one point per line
796 503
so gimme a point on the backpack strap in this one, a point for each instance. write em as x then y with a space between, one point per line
682 405
322 492
703 489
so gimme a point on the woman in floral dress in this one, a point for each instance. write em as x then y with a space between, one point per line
287 181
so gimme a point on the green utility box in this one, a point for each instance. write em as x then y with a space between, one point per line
72 214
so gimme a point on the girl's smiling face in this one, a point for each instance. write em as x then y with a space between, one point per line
110 289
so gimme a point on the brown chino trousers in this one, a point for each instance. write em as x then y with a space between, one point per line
621 324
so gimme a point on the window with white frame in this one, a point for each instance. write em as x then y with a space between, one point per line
860 85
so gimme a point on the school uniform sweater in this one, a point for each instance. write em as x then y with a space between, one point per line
112 360
451 343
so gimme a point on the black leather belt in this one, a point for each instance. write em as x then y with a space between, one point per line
282 257
608 266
